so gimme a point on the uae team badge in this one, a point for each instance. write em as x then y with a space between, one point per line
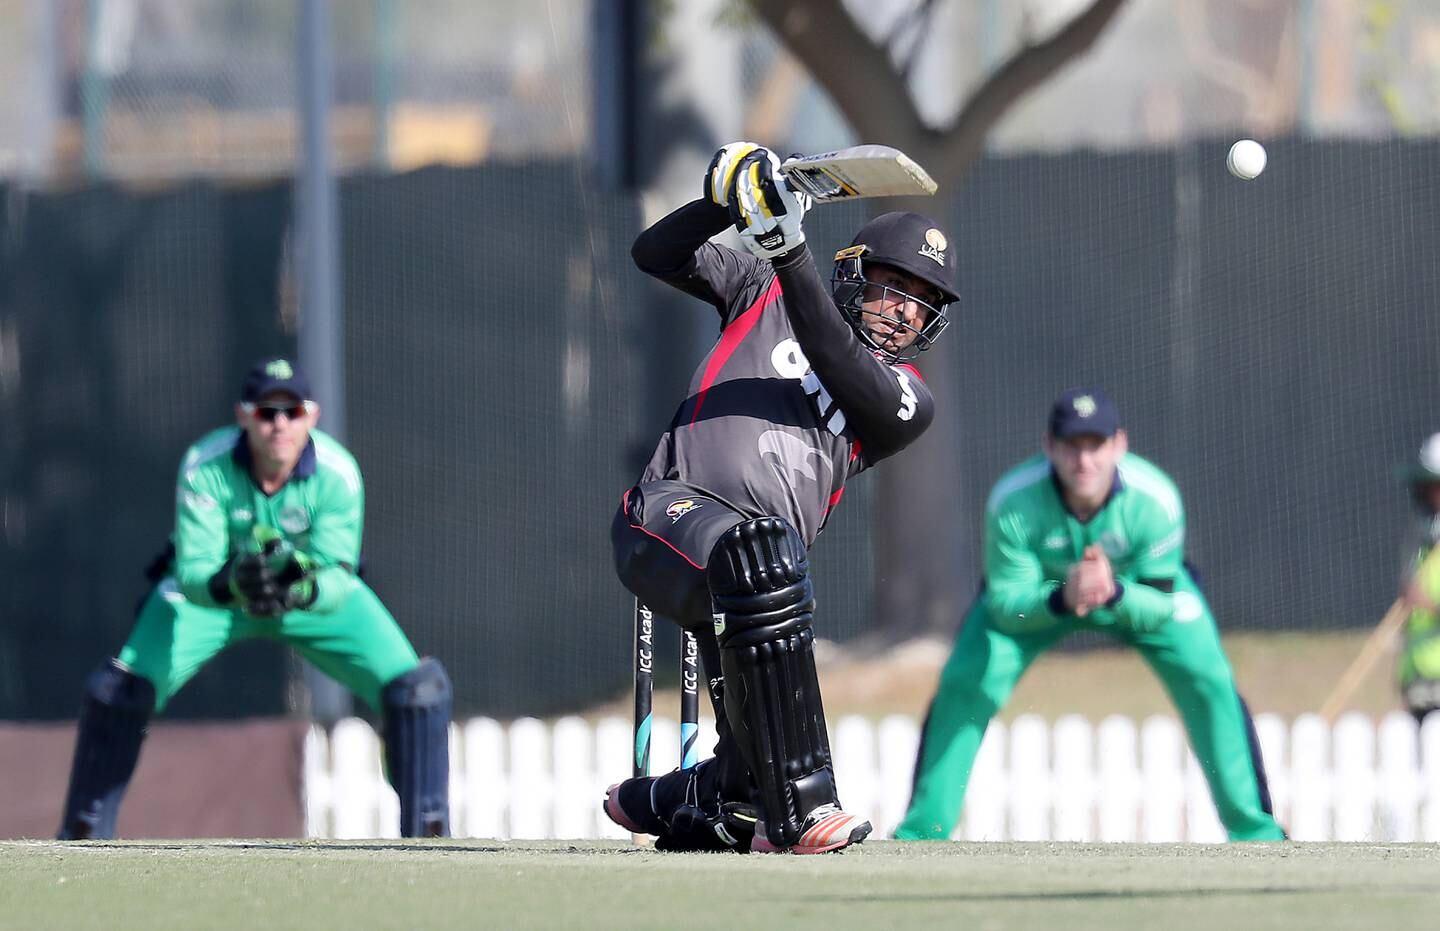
679 509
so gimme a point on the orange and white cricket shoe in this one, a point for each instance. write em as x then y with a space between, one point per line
826 829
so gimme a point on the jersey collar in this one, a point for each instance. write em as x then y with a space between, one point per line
303 469
1115 488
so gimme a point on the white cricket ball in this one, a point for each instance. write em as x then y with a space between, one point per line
1246 159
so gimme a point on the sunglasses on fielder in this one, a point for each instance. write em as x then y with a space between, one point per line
269 412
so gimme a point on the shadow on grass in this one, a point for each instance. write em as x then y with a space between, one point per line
1083 895
416 846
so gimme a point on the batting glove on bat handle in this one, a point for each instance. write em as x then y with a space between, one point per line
764 210
720 176
767 213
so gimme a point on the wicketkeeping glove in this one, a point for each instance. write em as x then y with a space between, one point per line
720 176
295 574
766 212
253 585
270 582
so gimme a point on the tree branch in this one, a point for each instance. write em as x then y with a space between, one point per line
912 27
962 145
875 100
856 73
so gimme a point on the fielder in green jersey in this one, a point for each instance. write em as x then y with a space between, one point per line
1088 537
1420 654
268 518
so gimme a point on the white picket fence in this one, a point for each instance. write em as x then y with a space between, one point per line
1360 780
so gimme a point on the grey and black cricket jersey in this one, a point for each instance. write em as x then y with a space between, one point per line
786 407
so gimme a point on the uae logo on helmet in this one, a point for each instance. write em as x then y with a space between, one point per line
934 247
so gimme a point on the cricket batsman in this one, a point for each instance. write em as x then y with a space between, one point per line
806 387
268 517
1088 536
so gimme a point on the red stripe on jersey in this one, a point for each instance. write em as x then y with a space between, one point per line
835 498
730 341
912 370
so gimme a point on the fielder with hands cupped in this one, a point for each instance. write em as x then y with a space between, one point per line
806 387
1088 536
268 521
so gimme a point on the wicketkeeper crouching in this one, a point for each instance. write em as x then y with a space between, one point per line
268 519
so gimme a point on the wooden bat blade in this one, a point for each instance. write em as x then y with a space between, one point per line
1375 645
859 171
1374 648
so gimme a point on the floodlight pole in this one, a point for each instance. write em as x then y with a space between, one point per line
317 254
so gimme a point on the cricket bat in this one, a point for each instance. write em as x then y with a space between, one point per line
859 171
1374 647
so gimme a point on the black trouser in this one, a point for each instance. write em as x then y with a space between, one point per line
663 535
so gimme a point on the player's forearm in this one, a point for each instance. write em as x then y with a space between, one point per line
1022 608
201 548
1141 607
667 249
194 581
822 332
333 584
869 392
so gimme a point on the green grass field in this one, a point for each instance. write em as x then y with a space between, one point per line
273 885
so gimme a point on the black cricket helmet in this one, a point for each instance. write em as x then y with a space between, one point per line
913 244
